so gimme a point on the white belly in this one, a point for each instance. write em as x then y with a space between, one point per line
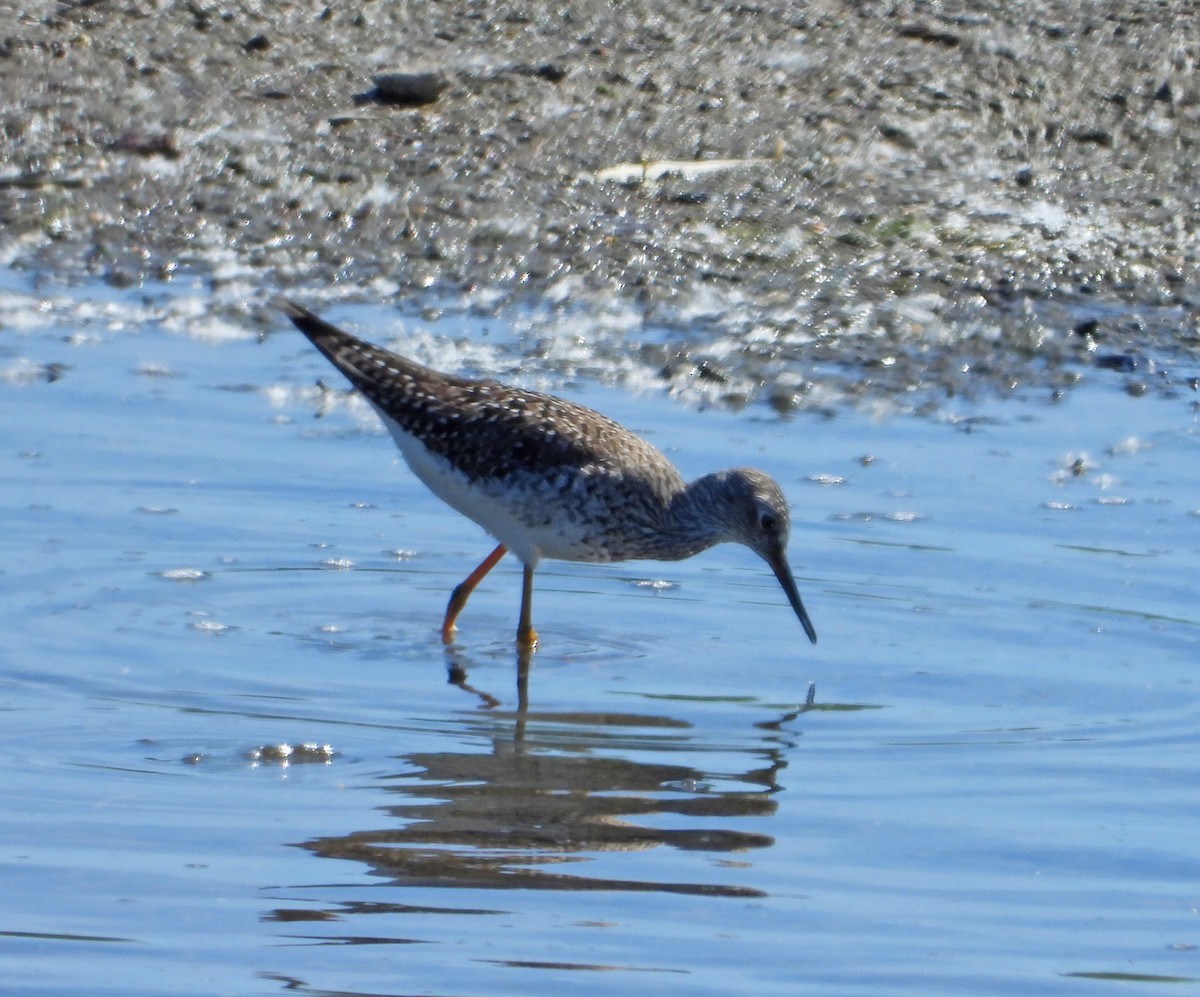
488 507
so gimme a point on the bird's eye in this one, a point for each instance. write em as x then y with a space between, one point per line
766 523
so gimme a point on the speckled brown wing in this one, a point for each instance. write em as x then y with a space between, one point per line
485 429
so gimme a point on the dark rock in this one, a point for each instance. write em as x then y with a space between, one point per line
409 89
1123 363
550 71
924 33
897 136
1093 136
143 143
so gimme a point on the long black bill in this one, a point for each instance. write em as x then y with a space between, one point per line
779 565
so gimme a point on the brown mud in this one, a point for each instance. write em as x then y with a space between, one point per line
945 197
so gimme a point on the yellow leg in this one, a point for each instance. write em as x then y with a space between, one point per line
459 597
526 635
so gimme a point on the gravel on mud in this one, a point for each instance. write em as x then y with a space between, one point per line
906 195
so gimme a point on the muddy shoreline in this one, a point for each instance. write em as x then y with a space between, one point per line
935 196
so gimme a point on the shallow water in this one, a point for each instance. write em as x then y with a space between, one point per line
992 793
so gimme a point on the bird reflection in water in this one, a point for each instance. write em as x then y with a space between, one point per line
552 791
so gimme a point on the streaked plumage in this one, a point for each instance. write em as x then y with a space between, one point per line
549 478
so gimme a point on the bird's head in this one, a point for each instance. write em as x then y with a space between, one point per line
756 514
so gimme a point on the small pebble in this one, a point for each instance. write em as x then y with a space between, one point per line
409 88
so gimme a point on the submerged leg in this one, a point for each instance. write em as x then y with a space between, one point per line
526 635
524 659
460 595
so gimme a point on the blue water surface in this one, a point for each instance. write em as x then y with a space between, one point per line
993 791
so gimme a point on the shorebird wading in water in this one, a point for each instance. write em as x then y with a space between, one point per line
548 478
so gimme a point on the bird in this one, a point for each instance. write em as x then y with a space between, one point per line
548 478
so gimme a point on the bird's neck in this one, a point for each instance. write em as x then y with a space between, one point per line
697 517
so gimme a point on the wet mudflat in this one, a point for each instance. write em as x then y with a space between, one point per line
992 792
842 183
